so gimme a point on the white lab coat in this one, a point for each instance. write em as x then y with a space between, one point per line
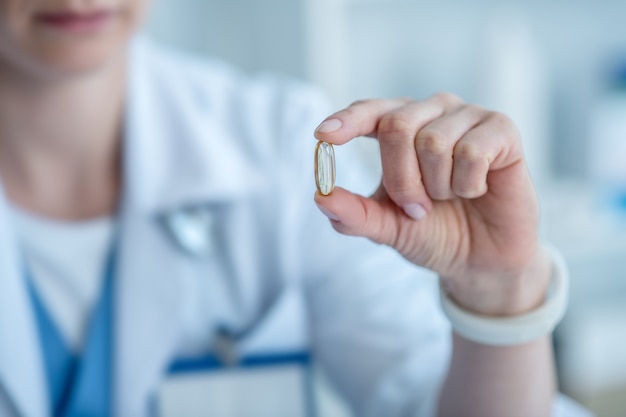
199 134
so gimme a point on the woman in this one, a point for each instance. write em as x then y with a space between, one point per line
156 210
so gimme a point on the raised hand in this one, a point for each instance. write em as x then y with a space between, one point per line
456 197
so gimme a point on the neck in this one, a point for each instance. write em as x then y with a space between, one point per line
60 143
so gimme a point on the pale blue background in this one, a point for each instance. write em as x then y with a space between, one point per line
364 48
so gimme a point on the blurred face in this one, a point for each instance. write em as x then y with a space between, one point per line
60 38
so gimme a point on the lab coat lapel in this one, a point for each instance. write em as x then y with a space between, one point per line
166 167
148 314
21 367
148 282
179 150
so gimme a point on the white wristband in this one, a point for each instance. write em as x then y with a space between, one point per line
516 330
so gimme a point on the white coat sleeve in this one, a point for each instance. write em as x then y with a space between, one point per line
377 328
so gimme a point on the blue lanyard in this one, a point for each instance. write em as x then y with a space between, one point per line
79 386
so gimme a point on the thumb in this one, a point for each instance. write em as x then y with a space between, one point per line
355 215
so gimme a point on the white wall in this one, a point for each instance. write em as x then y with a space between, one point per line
255 35
363 48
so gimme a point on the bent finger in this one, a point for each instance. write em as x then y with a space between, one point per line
401 171
435 145
492 145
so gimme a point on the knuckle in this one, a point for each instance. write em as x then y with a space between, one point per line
396 124
469 151
439 193
470 190
351 111
502 121
504 124
500 118
361 103
405 99
432 142
448 98
475 109
358 108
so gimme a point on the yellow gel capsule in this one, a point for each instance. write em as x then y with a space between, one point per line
324 167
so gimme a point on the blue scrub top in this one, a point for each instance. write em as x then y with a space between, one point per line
79 385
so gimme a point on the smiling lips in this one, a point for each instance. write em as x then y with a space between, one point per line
76 22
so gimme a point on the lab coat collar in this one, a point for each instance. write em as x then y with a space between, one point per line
178 151
21 368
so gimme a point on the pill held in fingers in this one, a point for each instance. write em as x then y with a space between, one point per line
324 167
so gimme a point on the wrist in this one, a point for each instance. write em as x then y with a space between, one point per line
522 327
504 293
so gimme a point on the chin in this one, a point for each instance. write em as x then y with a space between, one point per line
62 45
84 58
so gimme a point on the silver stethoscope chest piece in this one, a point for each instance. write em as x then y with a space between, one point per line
192 229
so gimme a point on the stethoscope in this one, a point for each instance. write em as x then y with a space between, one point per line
193 230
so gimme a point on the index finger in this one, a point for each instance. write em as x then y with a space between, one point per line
359 119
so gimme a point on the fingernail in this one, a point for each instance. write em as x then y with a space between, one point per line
328 214
329 126
415 211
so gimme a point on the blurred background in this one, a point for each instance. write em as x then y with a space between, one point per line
558 68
